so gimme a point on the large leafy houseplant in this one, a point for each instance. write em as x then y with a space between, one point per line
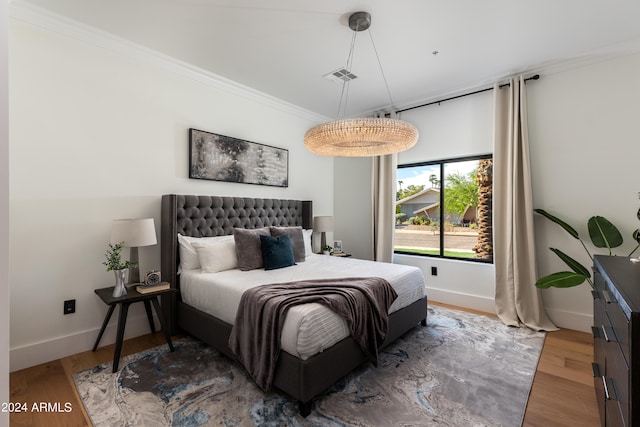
603 234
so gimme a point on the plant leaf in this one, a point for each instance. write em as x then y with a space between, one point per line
569 229
562 279
603 233
572 263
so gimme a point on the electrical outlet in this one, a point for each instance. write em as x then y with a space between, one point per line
434 271
69 306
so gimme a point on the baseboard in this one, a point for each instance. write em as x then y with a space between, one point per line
473 302
569 320
563 319
46 351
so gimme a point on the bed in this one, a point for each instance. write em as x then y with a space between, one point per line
302 371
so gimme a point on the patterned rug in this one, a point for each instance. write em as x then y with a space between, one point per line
460 370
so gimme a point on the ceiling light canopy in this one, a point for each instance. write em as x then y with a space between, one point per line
360 137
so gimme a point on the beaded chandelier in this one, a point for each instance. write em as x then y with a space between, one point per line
360 137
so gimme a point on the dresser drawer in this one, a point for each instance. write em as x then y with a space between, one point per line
599 307
617 379
620 325
614 416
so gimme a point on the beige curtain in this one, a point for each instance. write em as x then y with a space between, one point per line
383 209
518 301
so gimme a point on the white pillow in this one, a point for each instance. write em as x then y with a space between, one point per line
306 235
217 256
188 255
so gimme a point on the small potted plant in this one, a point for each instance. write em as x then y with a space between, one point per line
114 263
326 249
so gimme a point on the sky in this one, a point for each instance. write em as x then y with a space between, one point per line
419 175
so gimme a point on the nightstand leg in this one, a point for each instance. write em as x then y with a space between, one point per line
122 321
152 325
167 335
104 326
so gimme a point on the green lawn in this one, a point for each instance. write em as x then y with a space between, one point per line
456 254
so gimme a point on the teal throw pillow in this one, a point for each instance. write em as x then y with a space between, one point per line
277 252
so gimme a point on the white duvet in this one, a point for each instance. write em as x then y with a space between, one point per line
308 328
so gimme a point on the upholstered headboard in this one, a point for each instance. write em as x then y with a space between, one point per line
207 216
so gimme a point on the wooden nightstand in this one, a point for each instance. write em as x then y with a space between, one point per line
132 296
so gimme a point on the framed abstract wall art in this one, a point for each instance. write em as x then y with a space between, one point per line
223 158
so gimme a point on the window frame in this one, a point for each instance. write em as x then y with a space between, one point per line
441 163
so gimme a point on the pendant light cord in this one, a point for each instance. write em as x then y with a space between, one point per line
384 78
344 96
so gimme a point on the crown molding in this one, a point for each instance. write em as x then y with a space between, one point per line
592 57
20 10
560 65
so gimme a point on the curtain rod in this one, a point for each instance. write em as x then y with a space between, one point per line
534 77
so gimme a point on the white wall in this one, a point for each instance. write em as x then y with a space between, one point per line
352 205
584 157
97 134
456 128
4 212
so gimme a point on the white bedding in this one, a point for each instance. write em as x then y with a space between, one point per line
308 328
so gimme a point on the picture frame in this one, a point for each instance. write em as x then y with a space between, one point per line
337 246
218 157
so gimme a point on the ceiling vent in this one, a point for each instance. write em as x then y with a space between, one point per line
340 75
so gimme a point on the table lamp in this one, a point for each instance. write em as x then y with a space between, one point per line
134 233
323 224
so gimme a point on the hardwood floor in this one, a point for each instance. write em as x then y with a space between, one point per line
562 392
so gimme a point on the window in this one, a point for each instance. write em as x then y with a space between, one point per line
443 209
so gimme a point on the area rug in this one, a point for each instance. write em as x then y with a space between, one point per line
461 370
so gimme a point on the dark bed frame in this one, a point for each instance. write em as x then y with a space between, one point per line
206 216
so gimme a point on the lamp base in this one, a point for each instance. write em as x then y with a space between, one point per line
134 270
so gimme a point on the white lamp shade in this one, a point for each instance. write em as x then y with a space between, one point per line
323 223
134 232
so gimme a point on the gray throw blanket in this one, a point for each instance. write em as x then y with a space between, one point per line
255 338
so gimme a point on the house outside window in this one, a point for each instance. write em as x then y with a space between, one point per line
443 209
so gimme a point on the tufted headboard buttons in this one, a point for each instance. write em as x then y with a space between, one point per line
207 216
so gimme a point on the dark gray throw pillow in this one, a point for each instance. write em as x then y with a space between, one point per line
297 240
277 252
248 247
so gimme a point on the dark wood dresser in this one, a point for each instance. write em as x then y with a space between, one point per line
616 331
